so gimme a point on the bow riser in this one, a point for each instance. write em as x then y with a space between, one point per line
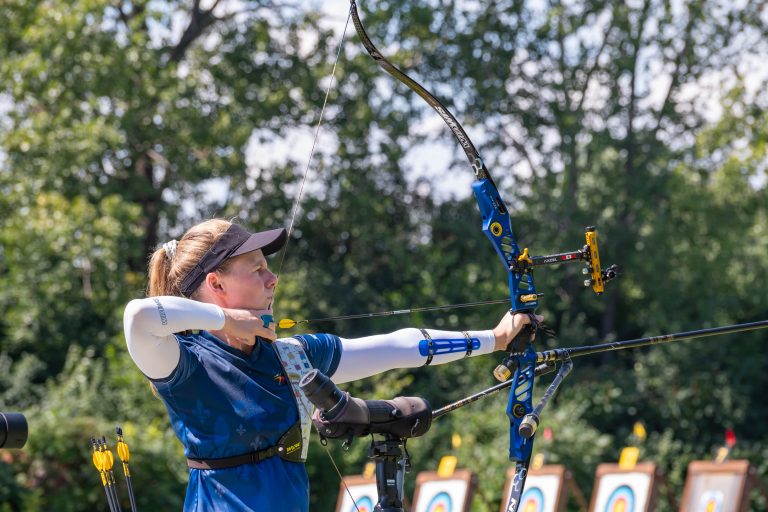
520 405
498 228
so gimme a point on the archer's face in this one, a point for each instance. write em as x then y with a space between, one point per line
248 283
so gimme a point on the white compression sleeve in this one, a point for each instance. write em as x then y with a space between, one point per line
363 357
149 325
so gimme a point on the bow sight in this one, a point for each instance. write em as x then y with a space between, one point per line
589 254
522 266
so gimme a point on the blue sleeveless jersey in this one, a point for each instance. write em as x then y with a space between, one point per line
223 403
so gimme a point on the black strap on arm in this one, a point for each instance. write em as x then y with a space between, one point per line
430 346
469 343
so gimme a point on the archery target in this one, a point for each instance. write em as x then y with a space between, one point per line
364 504
441 502
622 499
711 501
441 496
540 494
365 497
715 492
623 492
532 500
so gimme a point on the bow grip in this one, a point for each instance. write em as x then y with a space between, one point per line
519 344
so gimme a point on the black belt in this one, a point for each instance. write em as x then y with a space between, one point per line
287 448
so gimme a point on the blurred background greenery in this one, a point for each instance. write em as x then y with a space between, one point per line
123 122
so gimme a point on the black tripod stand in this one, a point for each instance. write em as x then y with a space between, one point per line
340 416
391 460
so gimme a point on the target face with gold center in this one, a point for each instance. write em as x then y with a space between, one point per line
711 501
532 500
441 502
364 504
622 499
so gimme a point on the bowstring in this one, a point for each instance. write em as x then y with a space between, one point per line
295 211
296 203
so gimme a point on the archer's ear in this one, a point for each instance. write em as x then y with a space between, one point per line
214 284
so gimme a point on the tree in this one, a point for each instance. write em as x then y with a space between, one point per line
119 117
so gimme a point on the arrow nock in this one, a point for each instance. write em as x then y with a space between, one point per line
122 447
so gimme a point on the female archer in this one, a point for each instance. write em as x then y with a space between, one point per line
205 340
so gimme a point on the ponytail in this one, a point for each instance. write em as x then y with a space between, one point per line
167 271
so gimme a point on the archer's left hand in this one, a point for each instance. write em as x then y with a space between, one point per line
510 326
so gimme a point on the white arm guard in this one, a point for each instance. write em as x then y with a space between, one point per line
149 325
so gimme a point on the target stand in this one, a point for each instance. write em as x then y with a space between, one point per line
357 493
547 489
454 493
719 486
619 490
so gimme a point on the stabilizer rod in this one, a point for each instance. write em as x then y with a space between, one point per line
541 369
560 354
547 358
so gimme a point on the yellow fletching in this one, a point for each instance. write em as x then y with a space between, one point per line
286 323
109 460
123 452
97 461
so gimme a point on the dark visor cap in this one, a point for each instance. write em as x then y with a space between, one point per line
235 241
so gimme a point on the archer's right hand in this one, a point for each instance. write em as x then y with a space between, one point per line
244 325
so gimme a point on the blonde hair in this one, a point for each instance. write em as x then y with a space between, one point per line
167 272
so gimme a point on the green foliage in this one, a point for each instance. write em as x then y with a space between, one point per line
85 401
64 274
117 123
12 493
